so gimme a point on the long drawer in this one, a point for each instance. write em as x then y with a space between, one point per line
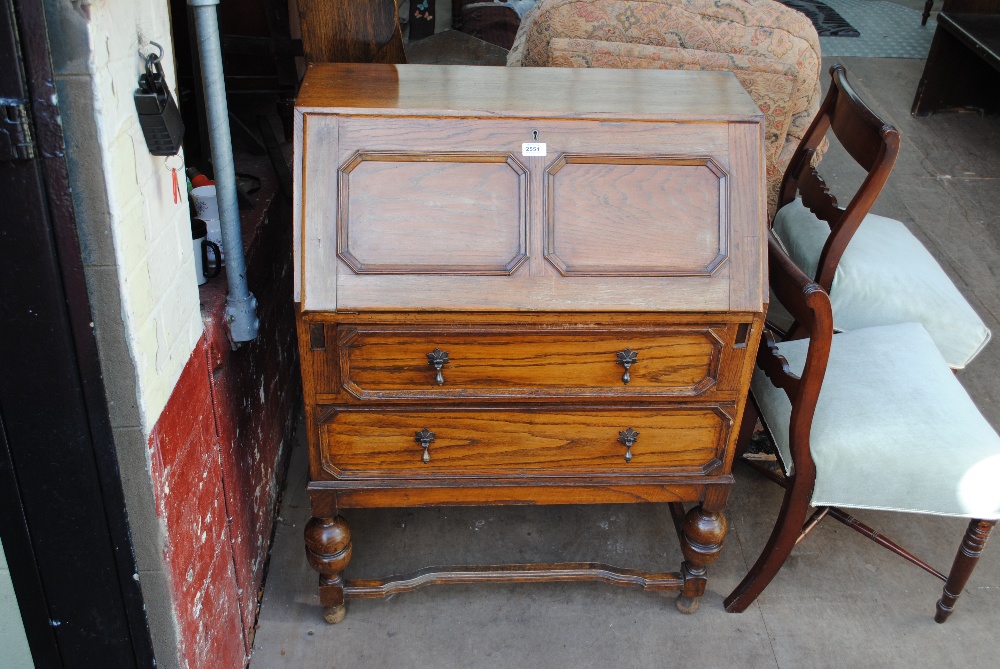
387 363
508 442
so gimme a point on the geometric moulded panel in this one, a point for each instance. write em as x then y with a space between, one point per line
432 213
609 215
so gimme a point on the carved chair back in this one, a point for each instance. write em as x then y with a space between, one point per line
870 141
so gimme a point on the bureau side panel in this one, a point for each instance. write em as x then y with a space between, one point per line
748 218
298 121
319 202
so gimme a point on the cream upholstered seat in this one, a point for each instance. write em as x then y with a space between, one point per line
773 51
886 276
893 428
867 419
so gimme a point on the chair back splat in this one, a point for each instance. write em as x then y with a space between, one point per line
871 142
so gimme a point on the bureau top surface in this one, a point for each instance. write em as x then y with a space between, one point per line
515 92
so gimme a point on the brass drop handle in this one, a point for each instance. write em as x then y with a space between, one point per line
438 359
425 437
627 358
628 437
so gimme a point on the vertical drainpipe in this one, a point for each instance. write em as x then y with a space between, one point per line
241 305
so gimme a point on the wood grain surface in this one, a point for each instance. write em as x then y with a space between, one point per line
487 492
611 215
360 31
513 573
619 197
329 356
563 441
437 213
387 364
460 90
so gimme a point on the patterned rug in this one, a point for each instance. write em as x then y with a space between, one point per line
827 21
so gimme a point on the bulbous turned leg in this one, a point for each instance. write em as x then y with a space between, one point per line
965 561
704 532
328 549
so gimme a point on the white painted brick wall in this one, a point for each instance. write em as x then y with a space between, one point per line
151 233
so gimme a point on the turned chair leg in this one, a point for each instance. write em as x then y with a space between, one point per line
961 569
779 546
927 12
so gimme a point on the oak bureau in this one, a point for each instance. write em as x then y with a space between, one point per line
525 286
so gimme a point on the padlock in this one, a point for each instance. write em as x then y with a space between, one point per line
159 117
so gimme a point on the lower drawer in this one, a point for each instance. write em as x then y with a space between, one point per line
511 441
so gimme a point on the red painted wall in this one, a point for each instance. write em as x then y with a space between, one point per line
219 449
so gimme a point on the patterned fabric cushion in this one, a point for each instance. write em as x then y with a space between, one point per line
751 28
893 427
770 83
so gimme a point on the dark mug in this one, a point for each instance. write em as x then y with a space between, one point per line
201 246
211 271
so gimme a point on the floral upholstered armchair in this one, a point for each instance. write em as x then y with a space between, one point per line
773 51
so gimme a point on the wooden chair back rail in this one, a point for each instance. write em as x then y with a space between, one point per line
872 143
810 306
856 126
351 31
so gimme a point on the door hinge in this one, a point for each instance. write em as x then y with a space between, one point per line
16 142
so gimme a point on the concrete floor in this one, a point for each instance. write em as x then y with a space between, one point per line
840 601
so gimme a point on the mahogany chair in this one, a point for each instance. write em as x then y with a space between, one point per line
872 419
875 271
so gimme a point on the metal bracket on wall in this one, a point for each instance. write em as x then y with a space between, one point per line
16 142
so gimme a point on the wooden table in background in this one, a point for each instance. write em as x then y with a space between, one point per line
452 47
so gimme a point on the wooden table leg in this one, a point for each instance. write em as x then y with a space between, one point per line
704 532
328 549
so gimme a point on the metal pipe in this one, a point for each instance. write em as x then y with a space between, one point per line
241 305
